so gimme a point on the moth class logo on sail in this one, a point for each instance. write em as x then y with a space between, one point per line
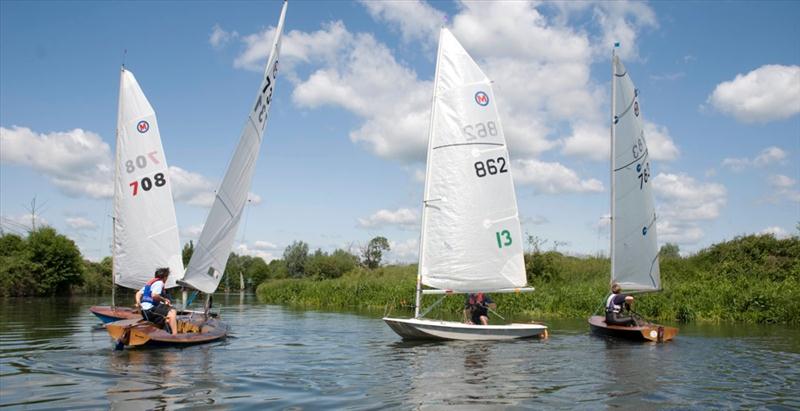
143 126
481 98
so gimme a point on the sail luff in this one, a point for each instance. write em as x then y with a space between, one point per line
214 245
425 194
612 215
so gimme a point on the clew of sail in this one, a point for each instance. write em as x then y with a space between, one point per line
145 227
471 238
216 240
634 243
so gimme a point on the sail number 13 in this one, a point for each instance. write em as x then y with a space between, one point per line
503 238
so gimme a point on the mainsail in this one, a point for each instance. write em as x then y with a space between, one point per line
214 245
634 247
471 238
145 228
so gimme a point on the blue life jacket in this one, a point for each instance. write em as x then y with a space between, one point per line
147 295
611 307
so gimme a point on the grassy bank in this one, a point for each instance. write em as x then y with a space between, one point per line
750 279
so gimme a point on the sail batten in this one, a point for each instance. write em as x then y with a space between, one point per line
634 244
471 238
145 226
216 240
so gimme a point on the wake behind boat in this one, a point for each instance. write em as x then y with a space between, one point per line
471 240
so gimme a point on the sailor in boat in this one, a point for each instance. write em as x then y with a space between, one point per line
476 309
614 307
156 306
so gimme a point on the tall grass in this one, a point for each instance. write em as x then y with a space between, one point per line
750 279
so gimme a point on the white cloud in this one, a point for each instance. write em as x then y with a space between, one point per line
659 142
682 198
78 162
80 223
776 231
264 245
219 37
21 224
784 187
768 156
192 232
244 249
415 19
552 178
770 92
406 251
682 204
588 140
402 218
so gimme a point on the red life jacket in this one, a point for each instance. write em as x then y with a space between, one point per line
476 299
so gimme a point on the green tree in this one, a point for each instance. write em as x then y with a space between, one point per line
97 276
57 262
296 256
670 250
373 252
15 268
188 250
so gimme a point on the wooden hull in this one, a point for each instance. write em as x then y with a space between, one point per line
417 329
192 329
108 314
645 332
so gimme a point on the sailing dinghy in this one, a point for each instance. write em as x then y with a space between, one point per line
470 240
634 246
212 249
145 233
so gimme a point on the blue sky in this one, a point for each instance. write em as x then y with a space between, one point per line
344 148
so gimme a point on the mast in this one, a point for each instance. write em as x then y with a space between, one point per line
612 216
427 178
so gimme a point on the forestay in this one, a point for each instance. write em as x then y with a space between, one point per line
471 238
146 231
214 245
634 244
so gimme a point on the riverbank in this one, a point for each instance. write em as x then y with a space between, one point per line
749 279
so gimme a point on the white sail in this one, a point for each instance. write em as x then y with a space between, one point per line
214 245
634 244
471 238
146 231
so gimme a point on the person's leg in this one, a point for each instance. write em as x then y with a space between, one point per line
484 320
173 321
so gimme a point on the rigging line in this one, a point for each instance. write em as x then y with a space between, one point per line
469 144
652 264
643 156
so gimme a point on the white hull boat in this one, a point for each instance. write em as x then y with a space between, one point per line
420 329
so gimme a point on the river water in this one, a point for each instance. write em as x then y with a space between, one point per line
54 356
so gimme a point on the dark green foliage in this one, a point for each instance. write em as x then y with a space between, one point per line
296 256
373 252
97 277
45 263
321 265
186 253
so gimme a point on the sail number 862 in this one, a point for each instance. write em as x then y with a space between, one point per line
490 166
480 130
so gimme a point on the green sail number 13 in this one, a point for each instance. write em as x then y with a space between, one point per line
503 238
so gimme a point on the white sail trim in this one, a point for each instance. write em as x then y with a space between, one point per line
471 235
635 246
211 252
146 230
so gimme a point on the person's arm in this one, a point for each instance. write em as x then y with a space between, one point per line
466 319
138 298
490 304
156 293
